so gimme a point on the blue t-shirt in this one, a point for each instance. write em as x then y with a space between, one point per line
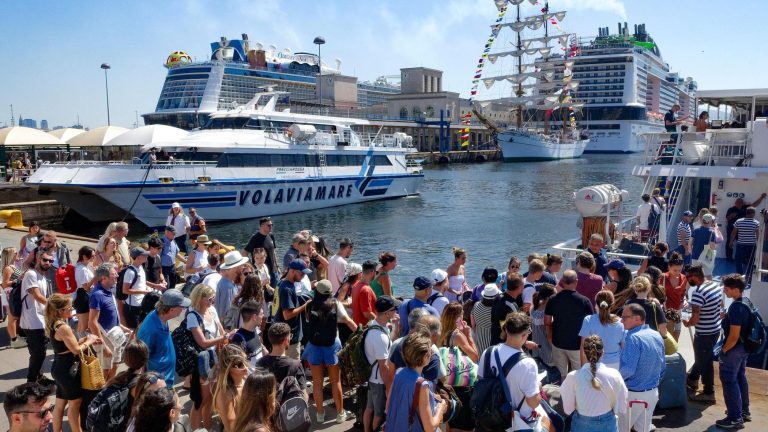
168 255
288 299
702 236
611 334
162 355
600 261
226 291
407 307
738 314
102 300
400 401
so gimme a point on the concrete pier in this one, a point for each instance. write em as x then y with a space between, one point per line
468 156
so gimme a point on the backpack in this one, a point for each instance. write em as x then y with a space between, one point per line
753 336
119 294
434 297
353 363
185 346
15 299
65 279
293 415
490 407
323 333
148 304
653 216
110 409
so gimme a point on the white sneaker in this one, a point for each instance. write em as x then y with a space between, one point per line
320 417
342 416
20 342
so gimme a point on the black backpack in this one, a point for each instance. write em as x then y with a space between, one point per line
148 304
119 294
434 297
15 299
653 216
323 331
293 414
110 409
490 407
753 336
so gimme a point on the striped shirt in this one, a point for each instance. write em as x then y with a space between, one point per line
684 228
746 229
709 297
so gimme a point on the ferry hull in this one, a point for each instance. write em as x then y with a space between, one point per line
517 147
237 201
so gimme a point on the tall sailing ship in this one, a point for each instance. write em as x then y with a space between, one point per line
542 82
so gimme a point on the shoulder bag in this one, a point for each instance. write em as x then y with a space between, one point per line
91 374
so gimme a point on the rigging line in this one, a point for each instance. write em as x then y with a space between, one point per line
138 194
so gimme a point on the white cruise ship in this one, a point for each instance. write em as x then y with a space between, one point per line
626 87
247 162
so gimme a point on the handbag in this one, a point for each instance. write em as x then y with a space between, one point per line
91 374
462 371
670 344
707 258
448 394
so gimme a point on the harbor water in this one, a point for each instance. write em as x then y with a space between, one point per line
493 210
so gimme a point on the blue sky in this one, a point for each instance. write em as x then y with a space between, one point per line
53 49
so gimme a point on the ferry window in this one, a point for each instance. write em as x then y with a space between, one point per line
343 160
276 160
253 124
332 160
381 160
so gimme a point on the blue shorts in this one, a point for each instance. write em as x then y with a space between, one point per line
320 355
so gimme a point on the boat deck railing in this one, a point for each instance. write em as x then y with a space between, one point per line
726 147
136 162
333 139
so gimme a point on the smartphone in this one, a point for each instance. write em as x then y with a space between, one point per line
459 323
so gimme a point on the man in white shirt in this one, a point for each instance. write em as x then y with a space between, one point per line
377 343
337 265
34 297
643 213
135 287
521 378
437 299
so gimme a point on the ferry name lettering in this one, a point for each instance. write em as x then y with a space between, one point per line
293 194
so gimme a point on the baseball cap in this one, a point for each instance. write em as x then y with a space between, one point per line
708 218
385 303
615 264
438 275
173 298
137 252
353 269
175 205
299 265
323 286
170 228
687 213
421 283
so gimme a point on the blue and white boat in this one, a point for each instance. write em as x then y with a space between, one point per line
248 162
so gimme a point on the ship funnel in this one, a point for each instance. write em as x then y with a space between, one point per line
224 41
620 28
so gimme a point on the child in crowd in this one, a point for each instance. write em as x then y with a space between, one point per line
247 336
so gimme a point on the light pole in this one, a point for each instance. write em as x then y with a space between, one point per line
106 67
319 41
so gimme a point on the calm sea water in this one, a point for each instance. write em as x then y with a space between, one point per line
492 210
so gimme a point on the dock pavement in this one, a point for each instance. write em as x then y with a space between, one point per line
694 418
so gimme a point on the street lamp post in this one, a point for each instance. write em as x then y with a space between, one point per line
106 67
319 41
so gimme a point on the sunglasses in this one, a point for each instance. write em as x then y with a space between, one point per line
42 413
46 260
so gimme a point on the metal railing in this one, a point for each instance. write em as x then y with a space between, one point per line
15 175
728 147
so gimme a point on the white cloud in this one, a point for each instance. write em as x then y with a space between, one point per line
613 6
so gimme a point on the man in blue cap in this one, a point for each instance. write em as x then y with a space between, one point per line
288 308
685 245
422 289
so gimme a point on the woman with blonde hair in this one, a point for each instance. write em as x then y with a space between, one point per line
231 372
654 314
108 253
203 322
595 392
257 401
455 332
109 233
457 284
28 243
66 353
700 217
606 325
11 273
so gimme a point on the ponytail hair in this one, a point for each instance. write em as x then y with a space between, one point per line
604 300
458 252
543 294
675 259
593 350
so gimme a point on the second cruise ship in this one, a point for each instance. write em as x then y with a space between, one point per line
626 88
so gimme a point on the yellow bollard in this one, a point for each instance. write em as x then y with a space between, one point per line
12 218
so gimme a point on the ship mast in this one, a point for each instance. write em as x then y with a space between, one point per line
519 71
546 59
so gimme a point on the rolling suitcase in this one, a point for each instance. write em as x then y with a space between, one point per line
644 405
672 393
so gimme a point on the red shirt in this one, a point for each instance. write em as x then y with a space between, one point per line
589 285
363 300
675 294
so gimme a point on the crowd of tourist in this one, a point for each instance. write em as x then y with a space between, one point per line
238 329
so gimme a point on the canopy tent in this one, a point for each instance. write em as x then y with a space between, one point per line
753 102
66 134
97 137
147 135
19 135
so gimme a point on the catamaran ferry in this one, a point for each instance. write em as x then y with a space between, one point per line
245 163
